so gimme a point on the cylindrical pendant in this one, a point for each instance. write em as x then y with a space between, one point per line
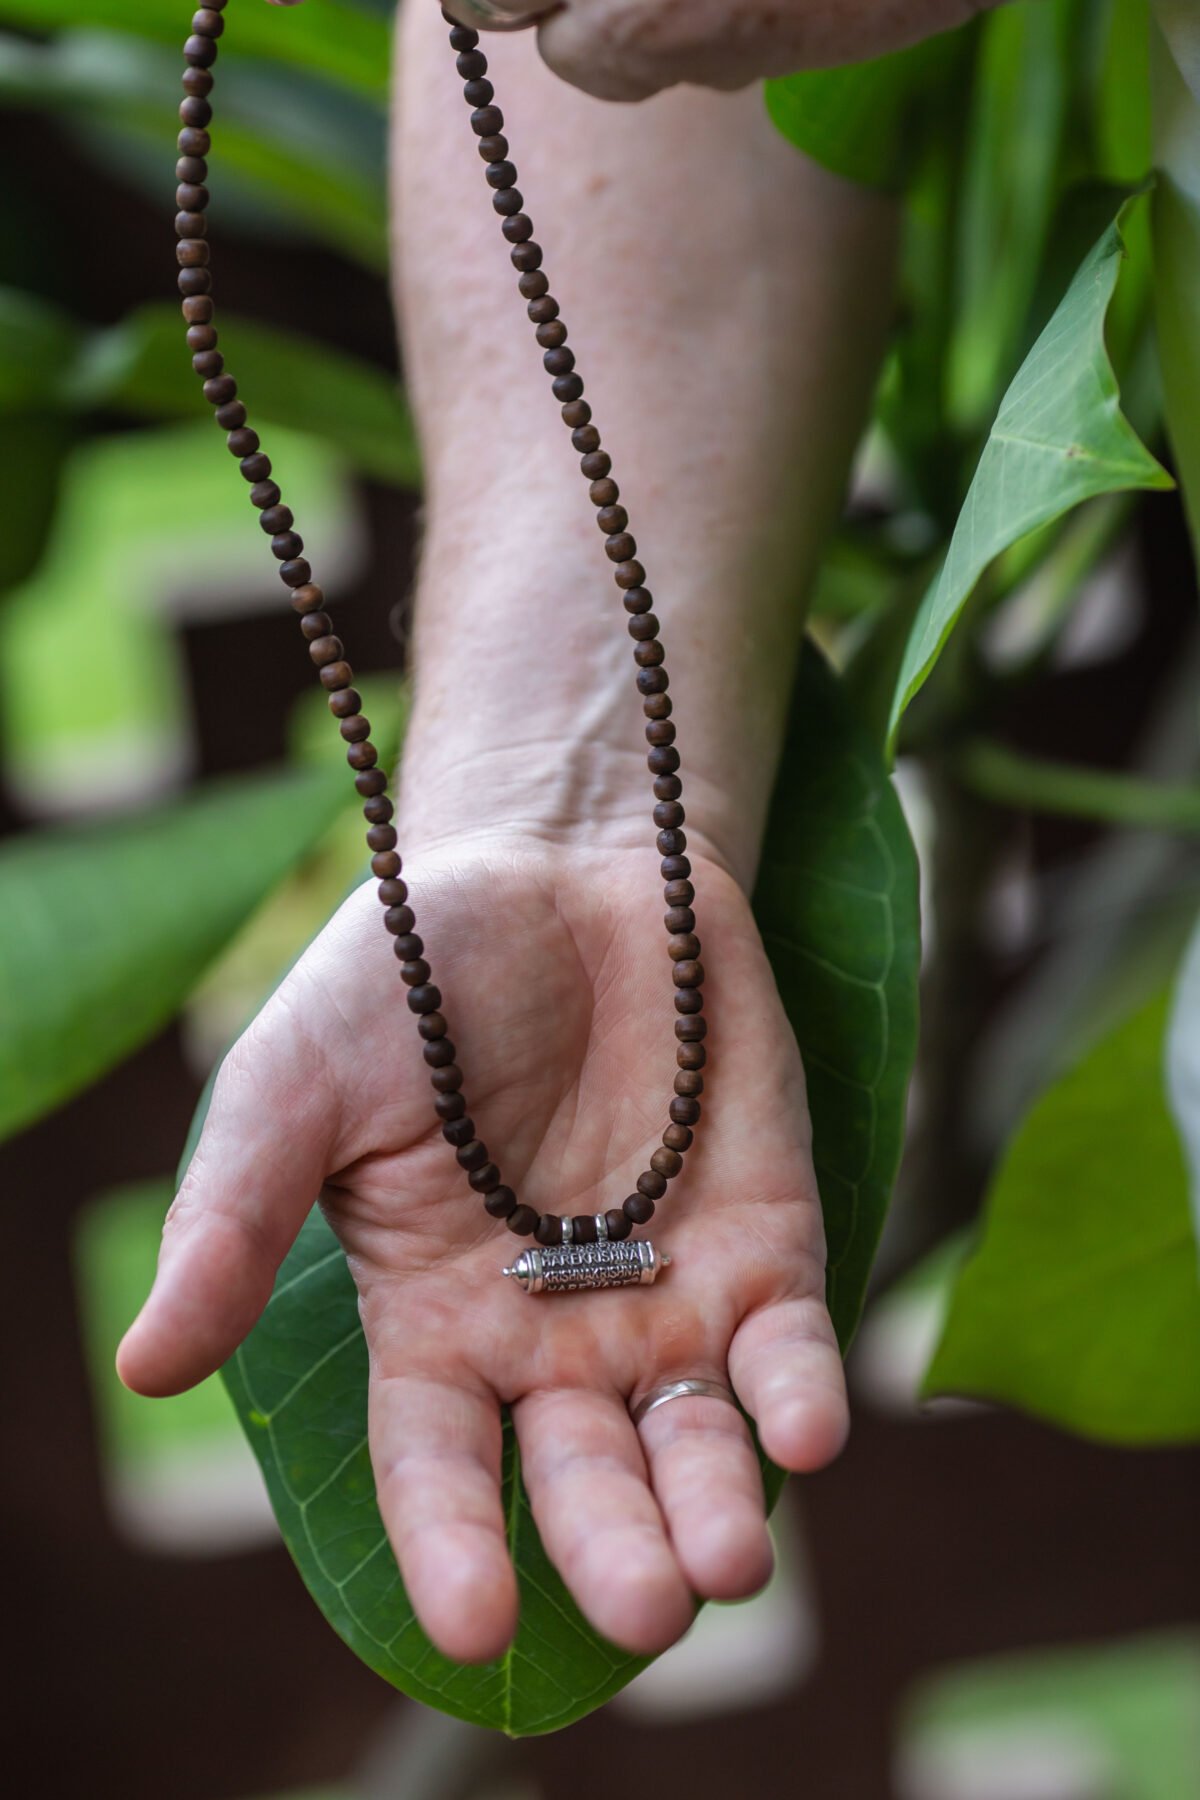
561 1268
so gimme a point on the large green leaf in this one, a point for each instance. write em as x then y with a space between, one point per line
108 926
1176 90
1059 438
837 897
142 366
341 41
1081 1302
837 905
862 120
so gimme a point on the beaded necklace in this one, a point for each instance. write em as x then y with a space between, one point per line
590 1250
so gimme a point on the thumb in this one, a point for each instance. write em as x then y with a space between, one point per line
255 1174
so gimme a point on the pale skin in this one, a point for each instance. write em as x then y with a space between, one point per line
727 302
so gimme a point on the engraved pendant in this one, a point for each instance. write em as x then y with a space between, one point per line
562 1268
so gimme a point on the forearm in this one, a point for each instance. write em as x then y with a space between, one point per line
726 302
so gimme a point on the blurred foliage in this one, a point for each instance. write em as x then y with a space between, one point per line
1022 395
1114 1720
1080 1303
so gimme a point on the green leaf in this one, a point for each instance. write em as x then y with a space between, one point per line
860 120
838 897
1059 438
142 366
1081 1303
837 905
1175 68
1114 1719
337 39
90 967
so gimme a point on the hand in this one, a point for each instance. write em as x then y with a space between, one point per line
552 961
629 49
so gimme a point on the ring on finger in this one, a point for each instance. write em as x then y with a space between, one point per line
693 1387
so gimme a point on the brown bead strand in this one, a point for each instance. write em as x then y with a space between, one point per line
336 674
487 121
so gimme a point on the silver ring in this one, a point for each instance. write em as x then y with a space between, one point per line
680 1390
498 15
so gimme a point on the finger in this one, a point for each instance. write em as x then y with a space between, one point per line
706 1477
256 1171
786 1367
435 1447
586 1480
571 46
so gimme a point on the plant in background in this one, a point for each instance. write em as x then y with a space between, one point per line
1049 161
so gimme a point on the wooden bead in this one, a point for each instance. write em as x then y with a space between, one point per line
583 1228
408 947
345 704
485 1178
560 361
191 168
382 837
642 627
200 51
648 656
472 1155
274 516
671 841
398 919
451 1107
286 545
471 64
619 1227
689 1084
363 756
501 1203
565 387
194 281
378 811
549 1229
658 706
486 121
326 650
596 465
438 1053
230 416
553 333
677 1137
526 257
691 1056
660 732
355 729
666 1163
680 919
425 999
198 309
493 148
620 548
194 141
543 310
663 760
523 1221
385 862
684 948
675 868
461 1129
432 1025
690 1031
652 1184
652 681
688 974
533 284
208 22
308 597
295 573
638 1209
684 1111
255 467
629 574
637 600
316 625
201 337
370 781
478 93
220 389
585 437
194 109
196 81
337 675
448 1080
679 893
265 495
689 1000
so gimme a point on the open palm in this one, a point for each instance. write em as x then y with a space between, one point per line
553 967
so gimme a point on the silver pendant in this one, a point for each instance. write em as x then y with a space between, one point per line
562 1268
